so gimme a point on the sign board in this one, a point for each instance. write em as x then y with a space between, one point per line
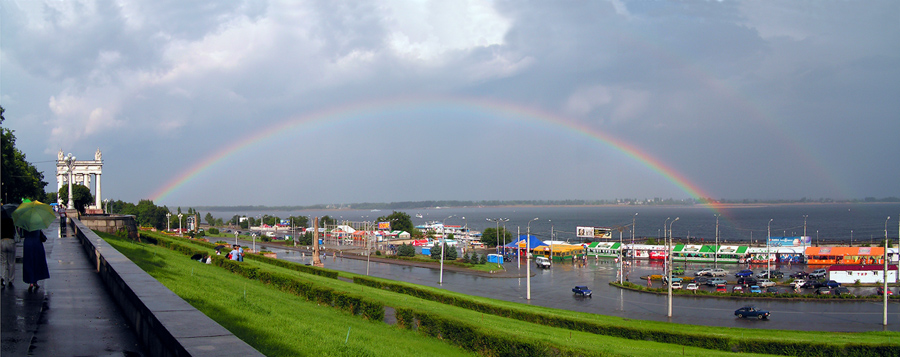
790 241
384 226
593 232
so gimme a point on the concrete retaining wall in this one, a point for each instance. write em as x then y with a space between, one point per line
166 324
111 224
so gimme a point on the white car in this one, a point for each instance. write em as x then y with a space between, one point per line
766 283
691 286
718 272
542 262
704 271
676 285
797 283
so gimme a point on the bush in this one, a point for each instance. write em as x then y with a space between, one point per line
483 259
449 253
406 250
378 252
213 231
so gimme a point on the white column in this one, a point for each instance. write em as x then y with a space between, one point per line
98 200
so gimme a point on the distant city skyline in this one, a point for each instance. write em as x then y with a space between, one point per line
314 102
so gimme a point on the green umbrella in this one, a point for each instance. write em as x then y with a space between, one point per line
32 216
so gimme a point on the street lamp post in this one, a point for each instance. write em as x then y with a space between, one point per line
70 162
180 230
443 236
884 292
768 258
716 253
527 263
805 216
633 222
235 237
669 270
168 219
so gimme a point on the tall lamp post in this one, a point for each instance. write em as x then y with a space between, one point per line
527 250
884 292
498 220
768 255
70 162
716 253
180 234
168 219
633 222
669 270
443 236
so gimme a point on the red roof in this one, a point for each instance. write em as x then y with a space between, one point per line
855 267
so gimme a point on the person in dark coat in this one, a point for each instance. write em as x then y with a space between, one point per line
34 259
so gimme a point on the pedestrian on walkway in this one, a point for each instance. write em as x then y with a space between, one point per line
8 250
34 259
240 253
234 254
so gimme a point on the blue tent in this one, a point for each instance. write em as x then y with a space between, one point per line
532 242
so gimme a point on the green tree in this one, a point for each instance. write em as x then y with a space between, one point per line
449 252
406 250
210 219
20 178
326 220
399 221
82 195
489 236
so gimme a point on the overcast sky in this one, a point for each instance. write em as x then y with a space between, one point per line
379 101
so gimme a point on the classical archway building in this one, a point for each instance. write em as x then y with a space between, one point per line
85 172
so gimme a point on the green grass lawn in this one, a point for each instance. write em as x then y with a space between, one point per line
271 320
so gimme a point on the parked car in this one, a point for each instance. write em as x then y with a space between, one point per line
818 274
718 272
770 274
701 280
743 273
823 291
737 289
772 290
755 289
840 290
797 283
542 262
582 290
880 291
675 279
715 282
831 284
800 275
704 271
811 284
750 312
678 270
766 283
746 281
691 286
676 285
720 288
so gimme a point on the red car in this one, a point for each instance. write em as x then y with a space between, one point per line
721 288
880 291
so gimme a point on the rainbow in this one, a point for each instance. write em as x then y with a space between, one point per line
360 110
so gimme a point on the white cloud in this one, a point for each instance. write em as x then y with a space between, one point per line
611 103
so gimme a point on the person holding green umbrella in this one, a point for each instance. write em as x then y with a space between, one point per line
33 217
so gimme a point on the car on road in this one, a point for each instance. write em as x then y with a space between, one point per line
823 291
582 290
746 281
675 279
766 283
800 275
743 273
542 262
715 282
702 272
755 289
840 290
797 283
701 280
811 284
751 312
818 274
720 288
880 291
691 286
718 272
831 284
772 290
676 285
765 274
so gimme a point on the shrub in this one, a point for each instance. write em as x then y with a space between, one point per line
213 231
406 250
378 252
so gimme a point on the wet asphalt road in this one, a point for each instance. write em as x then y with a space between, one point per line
553 288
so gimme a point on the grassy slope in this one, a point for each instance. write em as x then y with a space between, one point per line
591 342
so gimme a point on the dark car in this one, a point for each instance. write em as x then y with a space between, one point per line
800 275
701 280
766 274
582 290
750 312
831 284
812 284
772 290
823 291
743 273
840 290
747 281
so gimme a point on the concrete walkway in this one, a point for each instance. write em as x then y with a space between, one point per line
70 315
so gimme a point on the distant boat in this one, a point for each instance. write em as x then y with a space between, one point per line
375 210
418 215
